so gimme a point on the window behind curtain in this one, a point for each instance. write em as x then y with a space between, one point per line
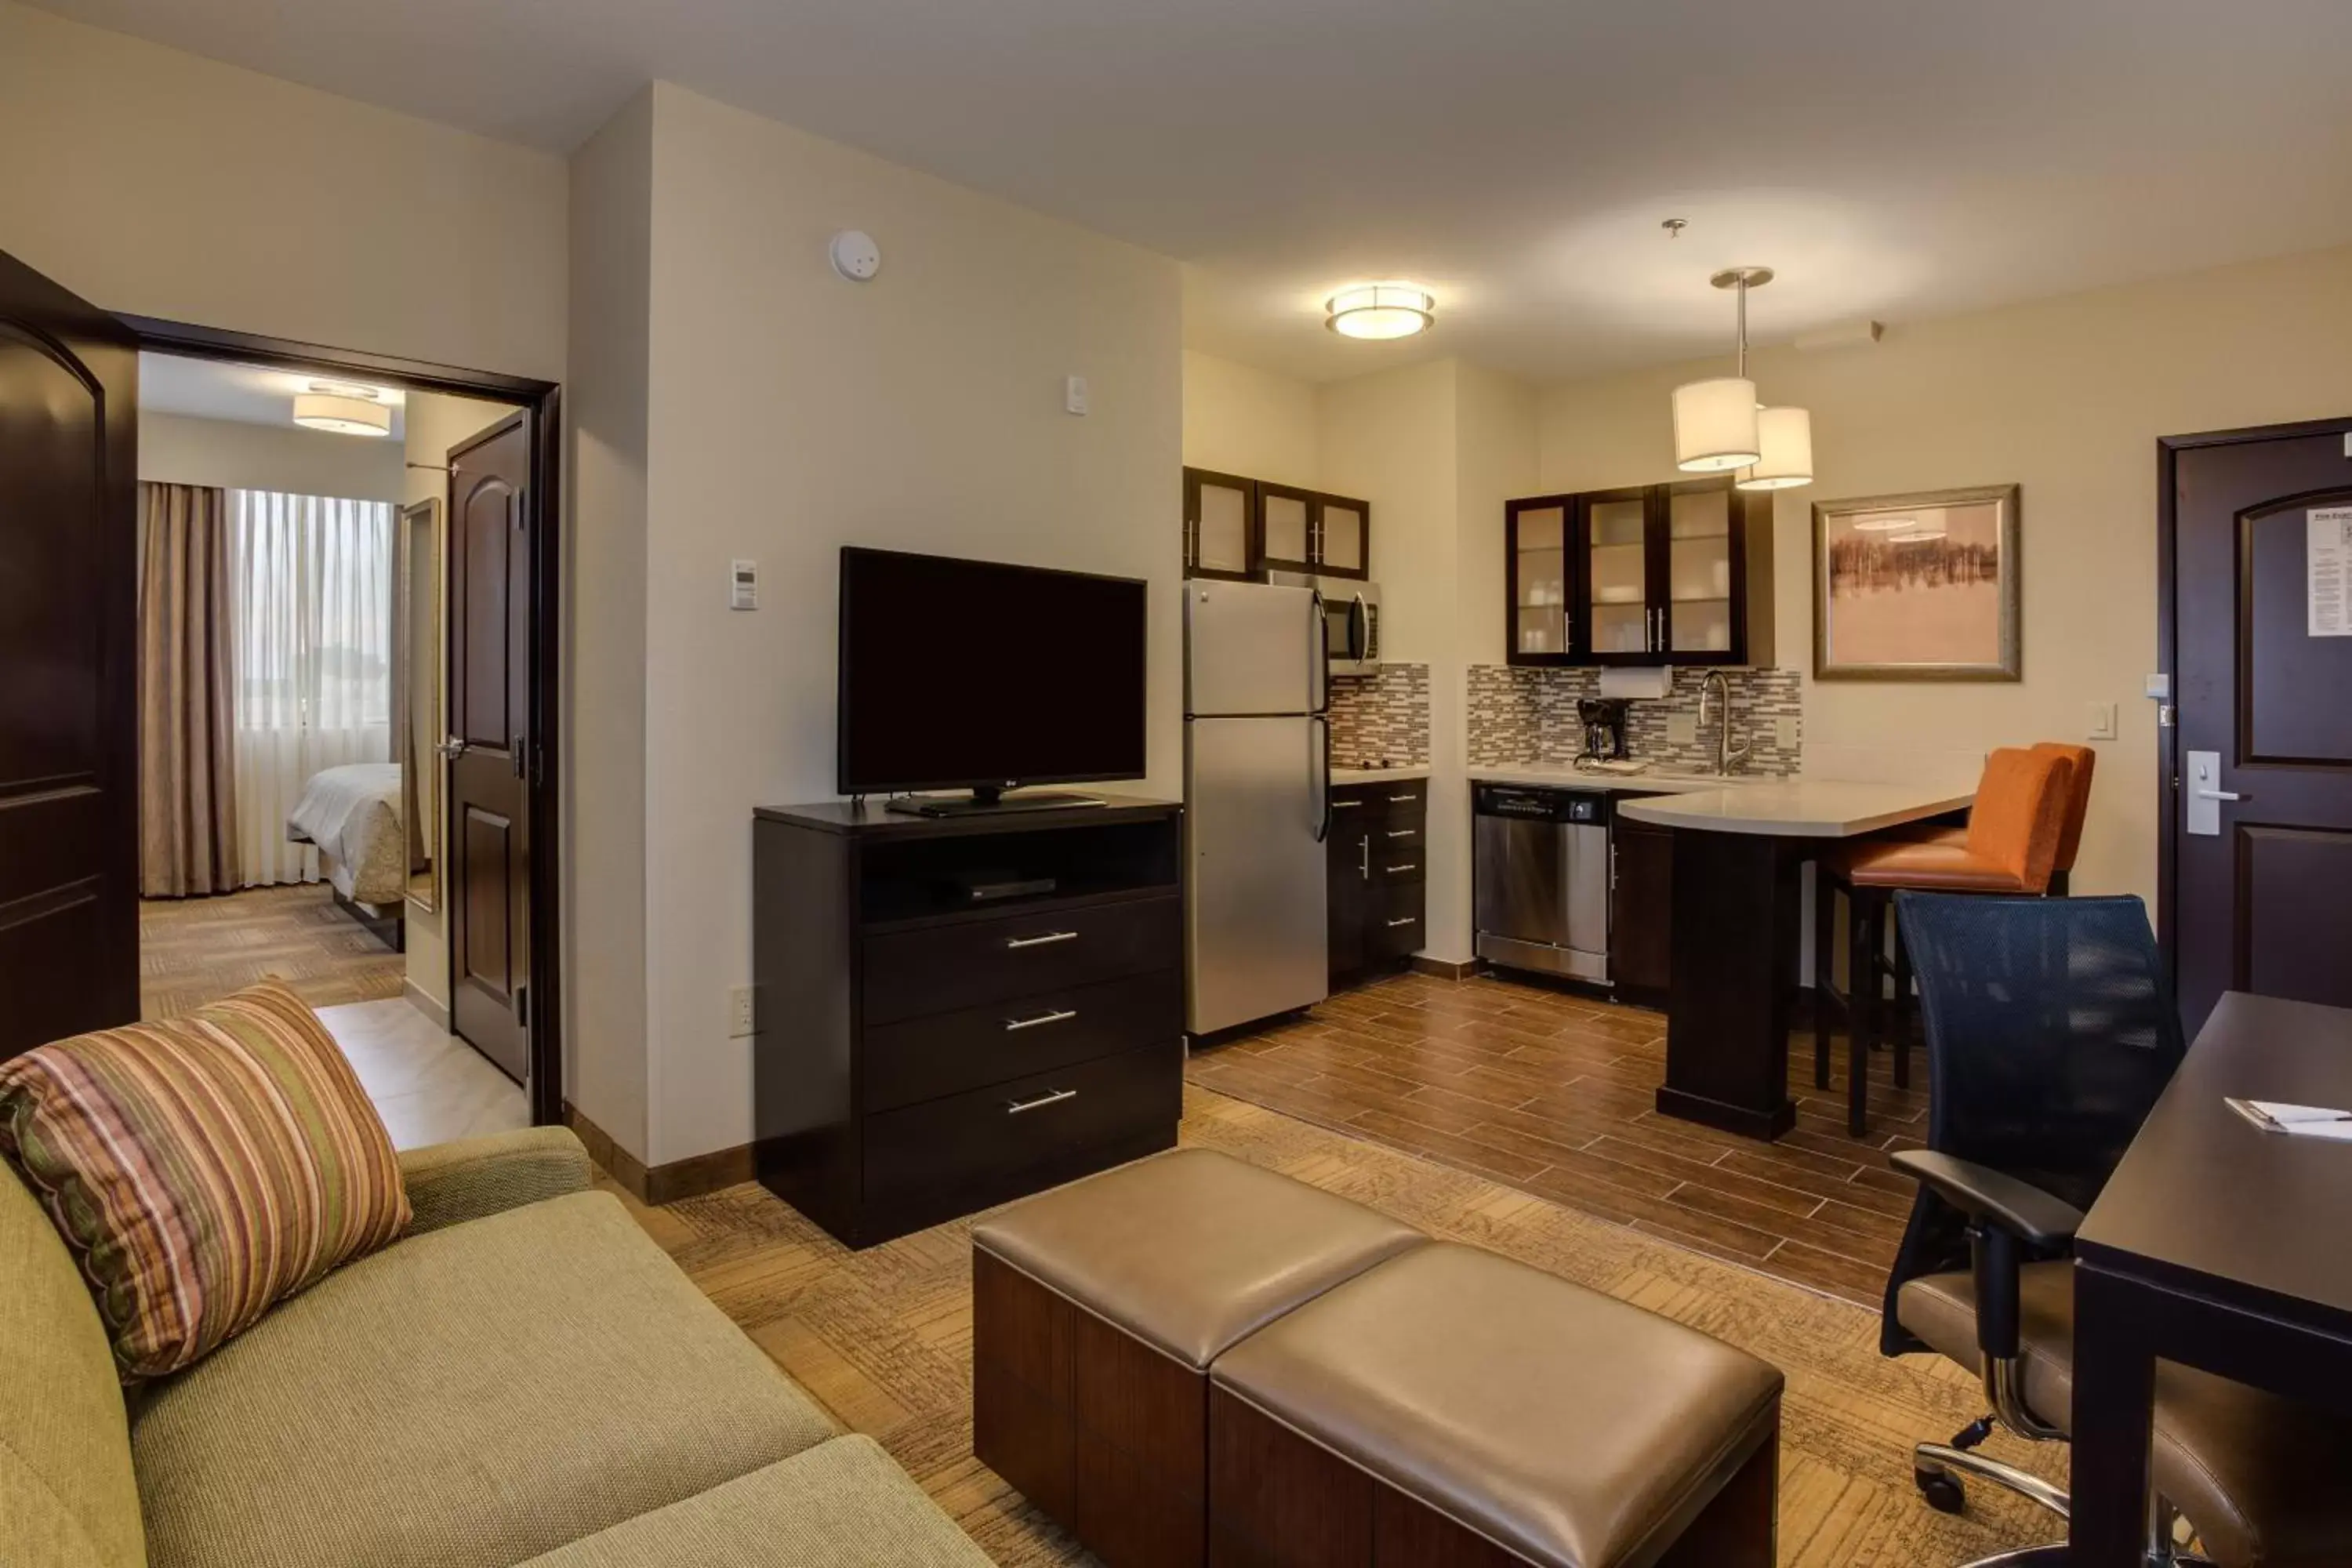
311 605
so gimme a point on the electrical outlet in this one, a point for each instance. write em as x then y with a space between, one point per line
1784 733
1682 729
2102 722
739 1020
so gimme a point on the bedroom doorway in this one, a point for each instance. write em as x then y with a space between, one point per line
257 616
382 812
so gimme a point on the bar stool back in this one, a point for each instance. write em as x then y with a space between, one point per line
2011 846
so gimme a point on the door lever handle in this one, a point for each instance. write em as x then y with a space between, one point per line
452 749
2220 794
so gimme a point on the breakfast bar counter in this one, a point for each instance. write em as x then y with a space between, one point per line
1738 854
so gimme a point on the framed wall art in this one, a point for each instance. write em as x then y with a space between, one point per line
1917 587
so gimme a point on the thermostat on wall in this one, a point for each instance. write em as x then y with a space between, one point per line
742 584
856 256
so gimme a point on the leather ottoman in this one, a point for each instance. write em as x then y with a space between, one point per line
1096 1310
1455 1408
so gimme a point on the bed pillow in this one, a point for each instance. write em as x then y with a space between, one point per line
202 1169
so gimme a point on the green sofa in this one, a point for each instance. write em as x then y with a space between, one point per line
524 1377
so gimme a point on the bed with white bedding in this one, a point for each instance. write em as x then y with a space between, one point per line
352 814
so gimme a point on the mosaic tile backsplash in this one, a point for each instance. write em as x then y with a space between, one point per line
1382 718
1519 715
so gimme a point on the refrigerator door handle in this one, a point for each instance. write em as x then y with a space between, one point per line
1322 754
1319 650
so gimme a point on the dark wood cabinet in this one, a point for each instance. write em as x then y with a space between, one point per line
1640 909
925 1051
1379 877
1657 574
1242 529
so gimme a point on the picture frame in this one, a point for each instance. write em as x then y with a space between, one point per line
1922 586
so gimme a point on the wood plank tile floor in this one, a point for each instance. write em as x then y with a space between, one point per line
1552 1093
883 1338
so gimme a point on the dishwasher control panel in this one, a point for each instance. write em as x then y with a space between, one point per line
1541 804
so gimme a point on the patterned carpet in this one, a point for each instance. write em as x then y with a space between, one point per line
884 1337
195 951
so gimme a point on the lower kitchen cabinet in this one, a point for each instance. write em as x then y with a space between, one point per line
1377 878
1640 909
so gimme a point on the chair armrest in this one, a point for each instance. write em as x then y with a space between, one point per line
451 1182
1982 1193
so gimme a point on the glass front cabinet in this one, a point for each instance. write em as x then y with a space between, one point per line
1658 575
1242 529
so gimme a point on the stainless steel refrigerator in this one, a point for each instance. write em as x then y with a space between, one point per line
1257 790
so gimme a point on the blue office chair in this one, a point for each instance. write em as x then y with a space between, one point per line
2051 1030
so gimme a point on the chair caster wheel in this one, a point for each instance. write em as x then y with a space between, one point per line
1942 1492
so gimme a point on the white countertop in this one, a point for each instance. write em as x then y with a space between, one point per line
1376 775
1801 808
1559 775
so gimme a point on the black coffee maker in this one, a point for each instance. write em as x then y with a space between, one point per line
1604 727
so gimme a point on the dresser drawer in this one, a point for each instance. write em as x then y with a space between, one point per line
969 1138
943 969
1393 863
943 1052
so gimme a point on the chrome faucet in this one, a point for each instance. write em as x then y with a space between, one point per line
1727 755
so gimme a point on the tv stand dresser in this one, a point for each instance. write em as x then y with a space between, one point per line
954 1012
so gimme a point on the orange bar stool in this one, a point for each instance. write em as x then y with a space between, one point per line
2081 759
2011 846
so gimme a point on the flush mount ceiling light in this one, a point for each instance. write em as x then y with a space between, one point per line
1720 426
343 409
1380 310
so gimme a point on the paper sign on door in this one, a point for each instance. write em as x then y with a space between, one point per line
2328 571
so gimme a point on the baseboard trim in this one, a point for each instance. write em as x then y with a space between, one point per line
658 1184
418 998
1444 968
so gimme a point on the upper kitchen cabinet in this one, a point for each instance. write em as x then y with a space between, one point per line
1242 529
1220 525
1673 573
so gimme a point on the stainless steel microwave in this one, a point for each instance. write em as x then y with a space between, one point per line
1352 617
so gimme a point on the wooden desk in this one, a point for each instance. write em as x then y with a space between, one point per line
2216 1245
1737 853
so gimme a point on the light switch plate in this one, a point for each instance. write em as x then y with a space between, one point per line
1682 729
740 1019
1076 396
1784 733
2102 722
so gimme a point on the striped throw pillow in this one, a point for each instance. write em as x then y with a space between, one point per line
202 1168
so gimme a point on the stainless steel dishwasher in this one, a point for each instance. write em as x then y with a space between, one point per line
1542 880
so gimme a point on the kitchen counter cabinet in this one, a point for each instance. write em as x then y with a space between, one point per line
1378 873
1641 918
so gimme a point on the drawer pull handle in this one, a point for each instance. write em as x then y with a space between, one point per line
1402 799
1346 804
1402 832
1051 1097
1407 921
1399 870
1021 942
1056 1017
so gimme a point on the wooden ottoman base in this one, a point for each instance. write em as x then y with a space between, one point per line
1285 1502
1101 1431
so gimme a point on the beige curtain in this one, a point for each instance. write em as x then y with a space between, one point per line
187 716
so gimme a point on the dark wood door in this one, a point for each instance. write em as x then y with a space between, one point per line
490 643
2260 776
1348 893
68 737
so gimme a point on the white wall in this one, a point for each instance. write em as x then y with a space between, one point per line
790 413
436 422
156 182
604 675
1255 423
2067 398
235 454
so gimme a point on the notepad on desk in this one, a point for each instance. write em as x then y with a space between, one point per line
2296 1121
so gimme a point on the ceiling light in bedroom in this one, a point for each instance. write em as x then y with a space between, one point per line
1380 310
343 409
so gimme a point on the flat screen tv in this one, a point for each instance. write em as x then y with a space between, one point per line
977 675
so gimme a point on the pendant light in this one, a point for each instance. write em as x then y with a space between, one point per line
1719 425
